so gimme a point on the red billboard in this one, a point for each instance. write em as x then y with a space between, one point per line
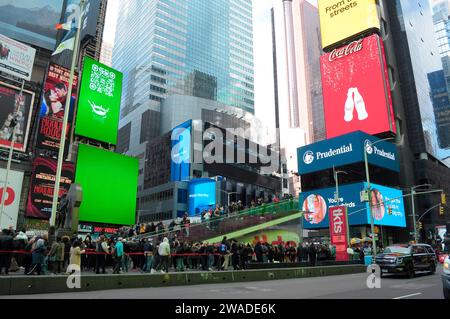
40 198
338 231
356 89
53 108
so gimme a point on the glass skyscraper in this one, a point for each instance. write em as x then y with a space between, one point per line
190 47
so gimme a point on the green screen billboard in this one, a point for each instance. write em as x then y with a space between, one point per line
109 183
99 102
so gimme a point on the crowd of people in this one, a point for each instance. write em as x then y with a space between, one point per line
37 256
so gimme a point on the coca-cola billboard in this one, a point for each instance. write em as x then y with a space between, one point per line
356 89
338 231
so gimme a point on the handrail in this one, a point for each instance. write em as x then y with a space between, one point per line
248 211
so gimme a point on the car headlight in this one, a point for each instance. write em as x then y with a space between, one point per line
399 260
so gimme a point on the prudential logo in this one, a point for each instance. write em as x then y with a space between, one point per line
308 158
369 147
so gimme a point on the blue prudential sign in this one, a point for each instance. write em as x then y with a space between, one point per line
347 149
387 206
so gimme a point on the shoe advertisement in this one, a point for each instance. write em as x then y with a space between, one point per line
356 89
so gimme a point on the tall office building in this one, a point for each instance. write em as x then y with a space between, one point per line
299 88
195 48
420 96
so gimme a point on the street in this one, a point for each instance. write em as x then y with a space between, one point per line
423 286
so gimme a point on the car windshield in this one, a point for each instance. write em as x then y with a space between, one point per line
397 250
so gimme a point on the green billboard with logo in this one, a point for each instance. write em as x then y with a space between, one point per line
109 182
99 102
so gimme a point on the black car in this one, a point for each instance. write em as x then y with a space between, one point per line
407 259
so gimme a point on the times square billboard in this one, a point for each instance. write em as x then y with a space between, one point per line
343 19
387 206
356 89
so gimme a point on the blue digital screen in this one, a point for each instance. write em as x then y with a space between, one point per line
387 206
347 149
181 152
202 195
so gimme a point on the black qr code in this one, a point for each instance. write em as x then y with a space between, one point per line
102 81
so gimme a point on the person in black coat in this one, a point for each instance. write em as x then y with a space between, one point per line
6 245
312 254
259 252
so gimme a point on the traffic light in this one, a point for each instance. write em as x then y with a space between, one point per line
420 226
443 199
441 211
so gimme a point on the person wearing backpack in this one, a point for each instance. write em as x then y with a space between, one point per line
101 250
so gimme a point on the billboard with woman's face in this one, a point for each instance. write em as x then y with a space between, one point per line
387 206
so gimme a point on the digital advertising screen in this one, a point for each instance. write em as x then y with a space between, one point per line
343 19
16 58
356 89
347 149
53 106
31 21
181 152
387 206
12 103
202 195
99 102
11 197
40 197
109 182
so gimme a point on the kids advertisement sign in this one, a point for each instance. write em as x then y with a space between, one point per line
387 206
356 89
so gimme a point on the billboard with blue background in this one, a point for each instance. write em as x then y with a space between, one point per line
181 152
347 149
387 206
202 195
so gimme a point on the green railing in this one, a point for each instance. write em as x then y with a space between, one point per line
227 223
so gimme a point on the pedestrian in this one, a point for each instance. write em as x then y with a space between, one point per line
118 255
54 250
148 254
312 255
38 256
164 253
6 248
101 251
67 246
75 256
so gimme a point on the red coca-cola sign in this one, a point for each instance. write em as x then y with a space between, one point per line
353 47
338 231
356 90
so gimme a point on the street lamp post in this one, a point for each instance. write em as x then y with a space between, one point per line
372 220
413 192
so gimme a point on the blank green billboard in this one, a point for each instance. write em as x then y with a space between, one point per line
99 102
109 182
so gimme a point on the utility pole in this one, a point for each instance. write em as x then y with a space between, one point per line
62 143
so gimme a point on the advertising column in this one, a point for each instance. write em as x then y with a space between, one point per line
338 231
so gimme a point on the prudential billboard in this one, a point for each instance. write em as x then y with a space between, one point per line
99 102
387 206
345 150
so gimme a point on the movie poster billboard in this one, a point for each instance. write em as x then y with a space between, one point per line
16 58
356 90
40 197
52 110
12 103
11 197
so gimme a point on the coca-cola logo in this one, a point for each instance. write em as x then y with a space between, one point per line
339 53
